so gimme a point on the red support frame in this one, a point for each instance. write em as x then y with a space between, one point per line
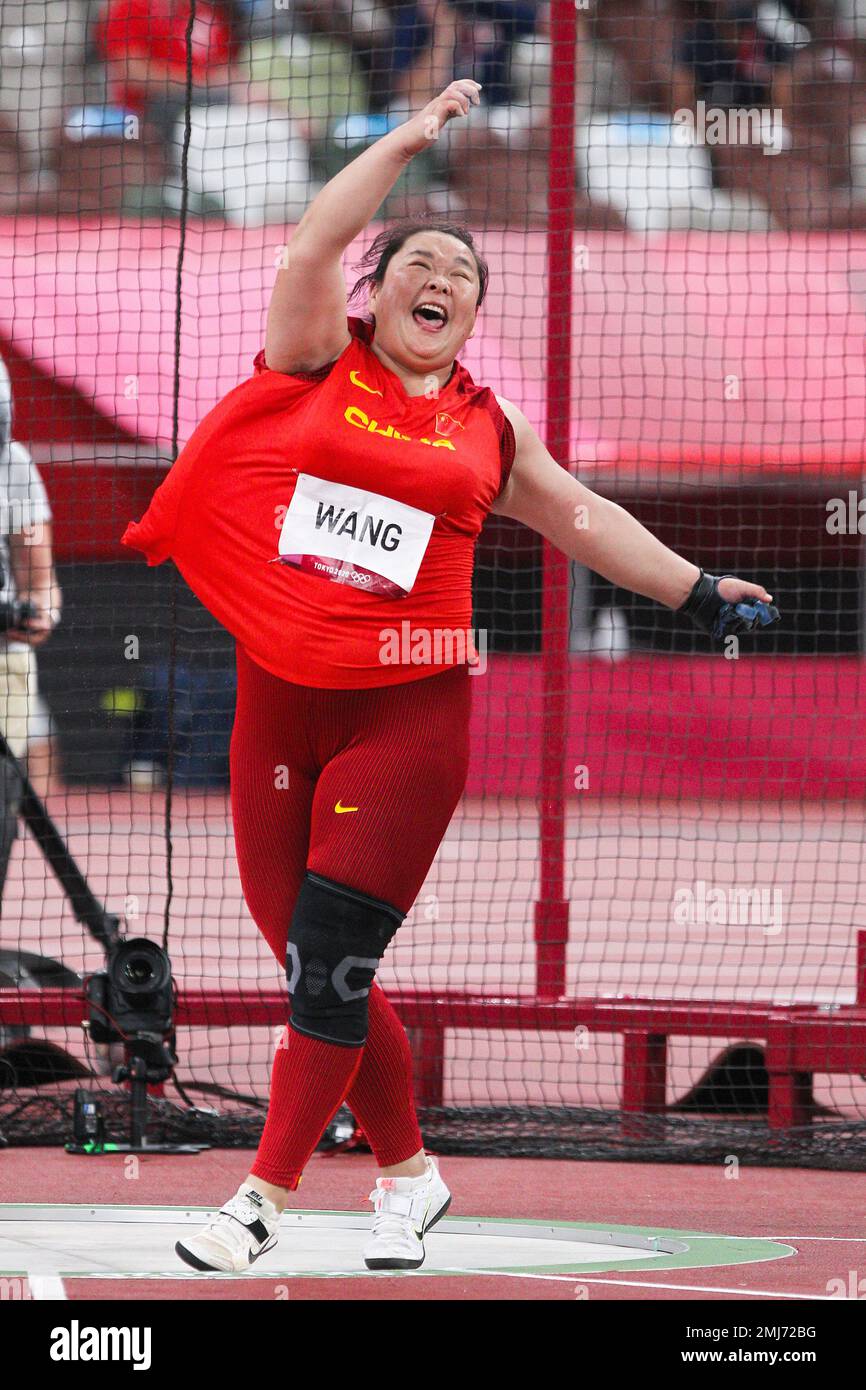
551 908
800 1040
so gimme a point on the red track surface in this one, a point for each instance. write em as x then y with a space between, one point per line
821 1214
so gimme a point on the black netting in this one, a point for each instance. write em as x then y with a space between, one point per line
671 197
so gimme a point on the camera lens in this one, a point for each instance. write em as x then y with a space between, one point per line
138 971
139 968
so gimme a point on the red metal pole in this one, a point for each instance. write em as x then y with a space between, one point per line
551 909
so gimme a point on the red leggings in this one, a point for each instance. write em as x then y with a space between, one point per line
396 758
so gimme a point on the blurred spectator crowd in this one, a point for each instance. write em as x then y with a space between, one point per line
713 114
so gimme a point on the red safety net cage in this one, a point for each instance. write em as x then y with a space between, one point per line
642 935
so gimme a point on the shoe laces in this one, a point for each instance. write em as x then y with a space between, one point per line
394 1211
389 1226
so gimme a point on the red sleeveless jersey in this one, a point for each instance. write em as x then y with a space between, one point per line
328 520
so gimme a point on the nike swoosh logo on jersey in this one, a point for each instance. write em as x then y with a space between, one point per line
356 381
339 808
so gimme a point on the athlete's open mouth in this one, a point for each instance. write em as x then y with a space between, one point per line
430 316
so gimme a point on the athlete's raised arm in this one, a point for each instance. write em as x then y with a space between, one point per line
307 314
596 532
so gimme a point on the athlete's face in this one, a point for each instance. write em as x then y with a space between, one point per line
426 305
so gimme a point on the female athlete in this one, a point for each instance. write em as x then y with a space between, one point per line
326 512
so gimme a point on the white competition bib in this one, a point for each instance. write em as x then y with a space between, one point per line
354 537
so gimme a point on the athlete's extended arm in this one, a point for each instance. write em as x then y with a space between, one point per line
595 531
307 313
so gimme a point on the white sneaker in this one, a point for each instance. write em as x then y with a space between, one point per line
235 1237
405 1208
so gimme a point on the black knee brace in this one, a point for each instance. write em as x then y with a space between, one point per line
336 941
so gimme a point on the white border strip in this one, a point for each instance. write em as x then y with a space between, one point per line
46 1288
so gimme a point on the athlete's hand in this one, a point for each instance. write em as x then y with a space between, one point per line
421 130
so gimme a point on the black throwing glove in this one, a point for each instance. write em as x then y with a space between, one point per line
716 616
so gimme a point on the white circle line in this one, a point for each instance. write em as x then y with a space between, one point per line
712 1288
852 1240
578 1278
